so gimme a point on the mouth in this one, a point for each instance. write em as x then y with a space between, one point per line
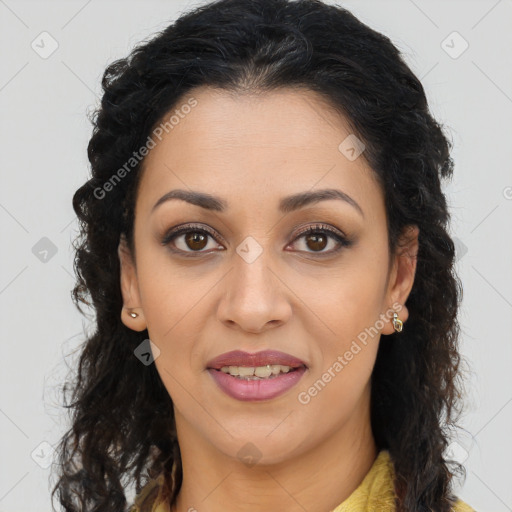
269 371
260 364
261 376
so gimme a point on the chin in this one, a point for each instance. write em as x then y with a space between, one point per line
265 449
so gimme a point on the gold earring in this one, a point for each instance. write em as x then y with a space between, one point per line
397 323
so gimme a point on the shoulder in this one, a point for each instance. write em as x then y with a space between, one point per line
461 506
377 491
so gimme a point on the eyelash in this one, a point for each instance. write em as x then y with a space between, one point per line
316 229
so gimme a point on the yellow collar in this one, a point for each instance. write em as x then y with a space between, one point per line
375 492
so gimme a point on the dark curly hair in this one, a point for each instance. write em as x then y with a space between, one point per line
123 429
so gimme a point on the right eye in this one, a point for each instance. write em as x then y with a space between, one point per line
189 239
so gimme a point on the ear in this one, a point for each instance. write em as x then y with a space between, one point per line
130 289
401 278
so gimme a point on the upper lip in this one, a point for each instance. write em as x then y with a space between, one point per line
241 358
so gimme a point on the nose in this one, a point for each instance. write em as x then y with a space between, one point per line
254 297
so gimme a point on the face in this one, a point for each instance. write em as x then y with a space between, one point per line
244 275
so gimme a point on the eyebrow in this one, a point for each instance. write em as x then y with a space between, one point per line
286 205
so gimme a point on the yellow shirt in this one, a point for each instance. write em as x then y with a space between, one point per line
374 494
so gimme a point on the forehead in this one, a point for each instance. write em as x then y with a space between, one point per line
286 117
271 143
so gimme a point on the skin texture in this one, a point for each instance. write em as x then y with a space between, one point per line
252 150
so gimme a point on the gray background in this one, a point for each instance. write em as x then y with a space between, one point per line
44 133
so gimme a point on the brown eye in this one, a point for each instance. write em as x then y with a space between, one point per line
316 242
316 239
196 240
189 239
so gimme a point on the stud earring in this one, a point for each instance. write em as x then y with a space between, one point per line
397 323
133 314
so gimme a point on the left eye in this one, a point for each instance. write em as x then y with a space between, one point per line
317 238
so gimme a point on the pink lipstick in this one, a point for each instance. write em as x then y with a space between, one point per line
260 376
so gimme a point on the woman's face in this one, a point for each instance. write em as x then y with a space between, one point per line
244 276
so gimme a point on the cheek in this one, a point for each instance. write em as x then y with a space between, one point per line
345 300
169 294
347 304
338 380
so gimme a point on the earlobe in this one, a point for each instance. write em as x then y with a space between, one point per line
132 314
402 278
396 317
133 320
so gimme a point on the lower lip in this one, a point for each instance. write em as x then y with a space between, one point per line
263 389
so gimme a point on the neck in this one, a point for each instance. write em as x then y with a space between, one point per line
316 480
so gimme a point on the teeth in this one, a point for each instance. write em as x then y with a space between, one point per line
256 372
263 371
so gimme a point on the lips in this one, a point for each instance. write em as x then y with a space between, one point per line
241 358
